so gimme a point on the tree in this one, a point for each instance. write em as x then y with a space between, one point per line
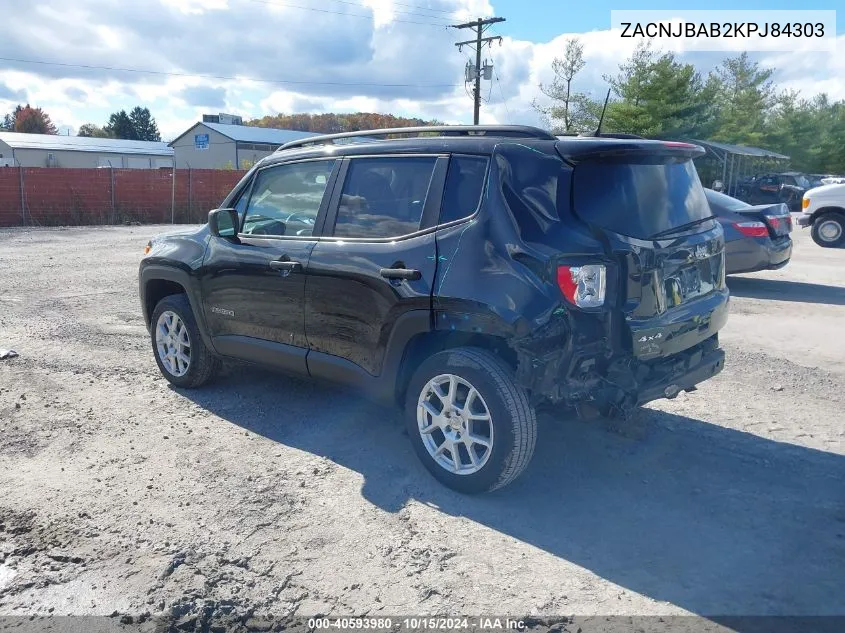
120 126
29 120
570 111
658 96
744 98
90 129
330 123
144 124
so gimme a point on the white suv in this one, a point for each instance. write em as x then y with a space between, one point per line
824 209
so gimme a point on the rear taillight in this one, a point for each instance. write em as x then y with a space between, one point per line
752 229
583 286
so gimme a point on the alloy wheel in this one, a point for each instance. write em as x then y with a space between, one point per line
173 343
455 424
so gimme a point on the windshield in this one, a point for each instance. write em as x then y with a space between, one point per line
639 199
802 181
724 201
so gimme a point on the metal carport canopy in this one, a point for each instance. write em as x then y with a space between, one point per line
740 150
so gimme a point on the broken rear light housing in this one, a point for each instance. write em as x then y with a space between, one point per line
583 286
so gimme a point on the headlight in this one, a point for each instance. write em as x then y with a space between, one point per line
805 202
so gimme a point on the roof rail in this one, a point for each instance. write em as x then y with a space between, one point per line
601 135
519 131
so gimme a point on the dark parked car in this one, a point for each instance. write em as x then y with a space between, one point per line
787 188
756 237
467 275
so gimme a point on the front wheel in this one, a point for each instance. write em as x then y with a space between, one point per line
469 422
829 230
179 351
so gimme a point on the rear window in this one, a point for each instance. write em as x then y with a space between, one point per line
639 199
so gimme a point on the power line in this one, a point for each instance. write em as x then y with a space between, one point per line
349 15
420 15
502 94
414 6
222 77
499 85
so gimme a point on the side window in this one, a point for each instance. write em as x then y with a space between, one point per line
384 197
464 184
285 199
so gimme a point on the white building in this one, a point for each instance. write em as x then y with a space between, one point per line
50 150
210 145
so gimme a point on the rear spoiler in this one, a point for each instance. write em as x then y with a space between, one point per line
577 149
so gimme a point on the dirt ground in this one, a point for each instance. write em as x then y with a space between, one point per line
261 495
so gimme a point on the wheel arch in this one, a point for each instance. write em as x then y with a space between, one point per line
425 344
157 281
829 210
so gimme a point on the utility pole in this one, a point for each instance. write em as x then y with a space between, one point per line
478 42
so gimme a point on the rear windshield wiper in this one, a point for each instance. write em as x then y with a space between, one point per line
676 229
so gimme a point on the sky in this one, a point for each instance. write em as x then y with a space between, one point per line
82 61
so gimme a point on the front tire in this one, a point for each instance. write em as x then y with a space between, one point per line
829 230
180 353
470 424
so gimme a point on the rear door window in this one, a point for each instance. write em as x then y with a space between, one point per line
384 197
639 199
464 185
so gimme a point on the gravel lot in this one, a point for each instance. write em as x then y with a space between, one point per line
260 494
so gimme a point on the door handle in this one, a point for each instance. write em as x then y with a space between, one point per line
401 273
288 265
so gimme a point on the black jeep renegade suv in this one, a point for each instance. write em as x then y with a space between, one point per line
466 273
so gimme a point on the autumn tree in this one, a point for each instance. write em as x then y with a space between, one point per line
331 123
29 120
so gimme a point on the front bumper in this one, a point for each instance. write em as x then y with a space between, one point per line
804 220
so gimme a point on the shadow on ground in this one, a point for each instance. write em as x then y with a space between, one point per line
716 521
781 290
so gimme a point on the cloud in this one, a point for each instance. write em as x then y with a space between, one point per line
259 57
209 96
76 94
9 94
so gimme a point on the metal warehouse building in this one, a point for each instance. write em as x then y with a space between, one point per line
209 145
50 150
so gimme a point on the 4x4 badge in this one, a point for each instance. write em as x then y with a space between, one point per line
653 337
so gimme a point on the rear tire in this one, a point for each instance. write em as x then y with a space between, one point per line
470 424
180 353
829 230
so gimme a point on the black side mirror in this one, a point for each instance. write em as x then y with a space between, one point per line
224 223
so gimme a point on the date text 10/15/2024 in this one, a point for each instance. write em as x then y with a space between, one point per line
417 624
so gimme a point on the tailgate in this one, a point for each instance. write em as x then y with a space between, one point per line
651 211
676 295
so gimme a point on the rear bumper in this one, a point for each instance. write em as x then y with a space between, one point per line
749 255
687 374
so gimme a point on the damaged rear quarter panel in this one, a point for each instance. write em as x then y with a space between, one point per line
496 273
